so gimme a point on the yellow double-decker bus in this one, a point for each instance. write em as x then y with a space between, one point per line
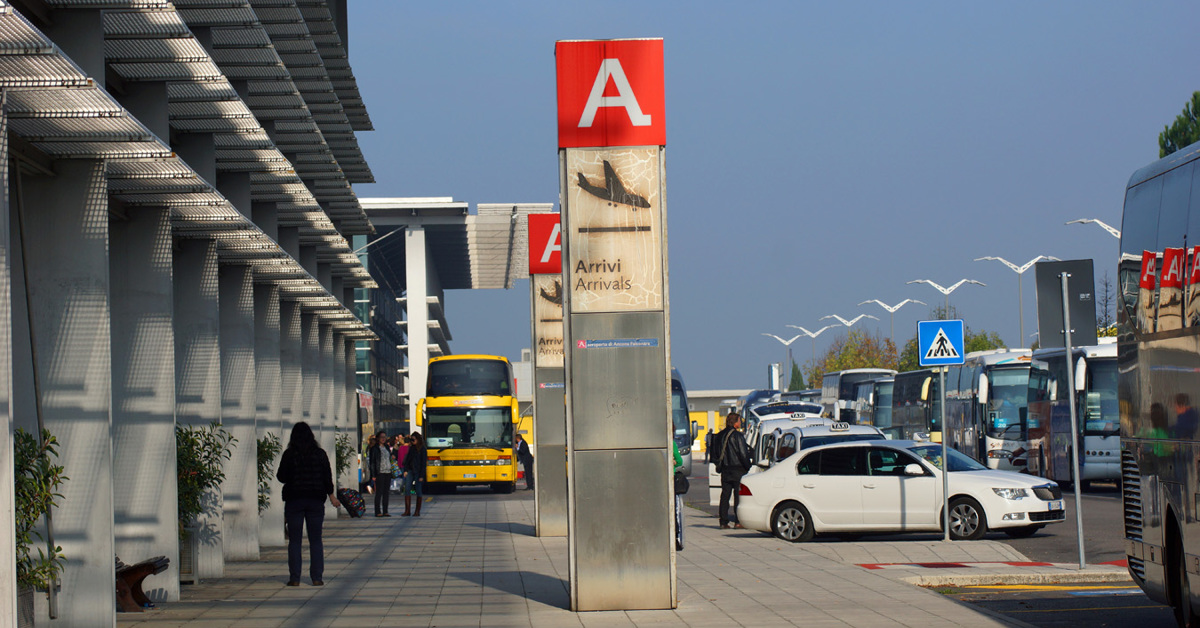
468 417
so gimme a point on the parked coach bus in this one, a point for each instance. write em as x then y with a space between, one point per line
987 406
916 407
838 390
1050 449
468 416
1158 380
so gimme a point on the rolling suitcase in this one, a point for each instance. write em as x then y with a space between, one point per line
353 501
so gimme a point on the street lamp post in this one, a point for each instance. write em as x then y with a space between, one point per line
1020 270
947 291
892 311
813 335
1113 231
787 354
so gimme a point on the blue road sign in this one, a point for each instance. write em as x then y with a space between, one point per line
940 343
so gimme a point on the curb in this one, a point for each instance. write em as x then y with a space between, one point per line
1065 576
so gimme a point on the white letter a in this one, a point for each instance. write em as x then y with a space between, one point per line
626 98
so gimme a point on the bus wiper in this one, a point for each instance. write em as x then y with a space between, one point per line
489 446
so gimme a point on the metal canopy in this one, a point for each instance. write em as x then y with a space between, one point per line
489 249
54 107
156 45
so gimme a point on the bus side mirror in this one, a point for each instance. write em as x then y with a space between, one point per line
983 388
695 429
925 388
1081 375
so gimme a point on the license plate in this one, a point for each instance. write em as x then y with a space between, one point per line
468 475
1056 505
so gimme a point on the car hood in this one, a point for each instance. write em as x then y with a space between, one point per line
998 479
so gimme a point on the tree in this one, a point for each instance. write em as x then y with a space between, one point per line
858 349
1106 324
797 382
973 341
1185 130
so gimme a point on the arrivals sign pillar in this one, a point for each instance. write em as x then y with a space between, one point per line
549 410
612 135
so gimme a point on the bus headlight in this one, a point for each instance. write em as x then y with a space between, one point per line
1011 493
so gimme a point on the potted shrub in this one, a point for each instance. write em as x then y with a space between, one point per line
37 482
200 455
269 447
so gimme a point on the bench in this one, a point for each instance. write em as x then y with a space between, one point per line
130 597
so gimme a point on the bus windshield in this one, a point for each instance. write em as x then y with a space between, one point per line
468 427
1100 408
679 412
1007 403
452 378
883 404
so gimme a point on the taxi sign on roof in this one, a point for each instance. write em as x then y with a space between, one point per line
940 343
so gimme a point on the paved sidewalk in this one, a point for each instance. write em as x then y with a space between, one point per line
473 561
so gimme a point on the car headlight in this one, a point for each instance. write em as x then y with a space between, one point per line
1012 493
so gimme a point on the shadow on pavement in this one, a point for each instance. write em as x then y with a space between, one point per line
502 526
532 586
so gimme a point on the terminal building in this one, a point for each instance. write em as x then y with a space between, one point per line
174 251
181 245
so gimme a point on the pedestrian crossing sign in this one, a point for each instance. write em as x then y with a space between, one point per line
940 343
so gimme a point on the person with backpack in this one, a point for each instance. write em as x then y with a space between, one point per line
731 456
307 479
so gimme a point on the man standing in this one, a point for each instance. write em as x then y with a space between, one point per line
525 457
731 455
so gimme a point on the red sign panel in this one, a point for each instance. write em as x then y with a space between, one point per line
1149 259
610 93
545 244
1173 268
1194 277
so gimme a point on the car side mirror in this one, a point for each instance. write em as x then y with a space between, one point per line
765 463
913 469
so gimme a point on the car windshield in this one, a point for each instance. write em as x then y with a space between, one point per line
958 462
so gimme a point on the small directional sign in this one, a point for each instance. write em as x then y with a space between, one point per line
940 343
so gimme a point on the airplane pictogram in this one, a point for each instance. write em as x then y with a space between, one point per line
553 297
613 191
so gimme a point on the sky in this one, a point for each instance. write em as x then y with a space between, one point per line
819 154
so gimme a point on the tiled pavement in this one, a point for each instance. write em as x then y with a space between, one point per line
473 561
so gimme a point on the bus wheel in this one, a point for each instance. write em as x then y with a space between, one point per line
503 487
1177 582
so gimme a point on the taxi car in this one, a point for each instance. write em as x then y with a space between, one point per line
892 486
785 441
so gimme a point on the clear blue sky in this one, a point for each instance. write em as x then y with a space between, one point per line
818 154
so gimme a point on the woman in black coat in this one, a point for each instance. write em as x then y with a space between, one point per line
307 479
414 472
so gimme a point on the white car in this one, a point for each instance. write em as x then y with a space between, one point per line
892 486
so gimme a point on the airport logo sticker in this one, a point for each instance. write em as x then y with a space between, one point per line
610 93
618 343
940 343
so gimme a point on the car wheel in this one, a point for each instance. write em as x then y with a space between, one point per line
1022 533
791 522
967 521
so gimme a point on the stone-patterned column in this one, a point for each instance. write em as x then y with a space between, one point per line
240 489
